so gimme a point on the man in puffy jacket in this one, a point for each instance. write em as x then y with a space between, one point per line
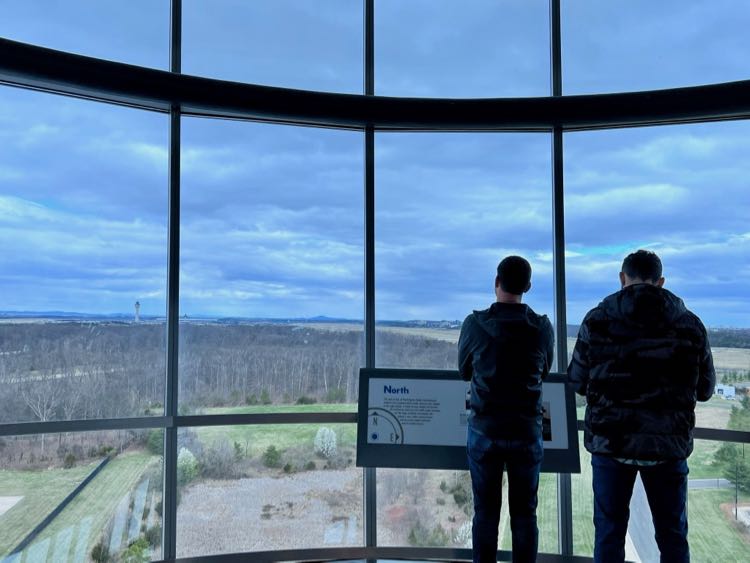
506 351
642 360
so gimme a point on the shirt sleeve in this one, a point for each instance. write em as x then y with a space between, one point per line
548 345
466 349
706 371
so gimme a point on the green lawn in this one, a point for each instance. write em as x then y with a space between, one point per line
256 438
42 491
712 535
263 409
99 499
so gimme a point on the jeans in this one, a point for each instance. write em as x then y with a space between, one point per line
522 460
666 490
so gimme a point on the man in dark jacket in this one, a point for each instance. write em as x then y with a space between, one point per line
506 351
641 359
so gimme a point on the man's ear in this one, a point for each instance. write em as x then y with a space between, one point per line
528 287
497 282
622 279
660 282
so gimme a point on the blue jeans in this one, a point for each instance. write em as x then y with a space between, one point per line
522 460
666 490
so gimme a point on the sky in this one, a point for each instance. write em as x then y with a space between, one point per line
272 216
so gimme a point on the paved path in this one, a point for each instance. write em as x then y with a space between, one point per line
709 484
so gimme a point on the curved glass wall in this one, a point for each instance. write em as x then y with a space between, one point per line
254 356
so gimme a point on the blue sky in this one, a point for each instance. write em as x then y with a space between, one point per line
272 216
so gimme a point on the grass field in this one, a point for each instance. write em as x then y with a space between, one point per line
42 491
256 439
713 537
100 498
45 489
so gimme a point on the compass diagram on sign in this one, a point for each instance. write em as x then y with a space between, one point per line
383 427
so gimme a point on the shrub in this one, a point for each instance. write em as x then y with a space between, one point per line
325 442
305 400
265 398
272 457
105 450
336 395
187 466
153 536
444 486
310 466
251 399
421 536
237 451
218 461
158 508
100 553
461 497
440 501
155 441
288 468
136 552
70 461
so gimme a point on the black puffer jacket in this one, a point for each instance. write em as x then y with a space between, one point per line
506 351
642 360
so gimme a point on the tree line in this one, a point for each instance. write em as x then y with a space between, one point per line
83 370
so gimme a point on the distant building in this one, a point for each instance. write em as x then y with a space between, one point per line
726 391
137 311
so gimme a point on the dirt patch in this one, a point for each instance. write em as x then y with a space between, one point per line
308 509
742 523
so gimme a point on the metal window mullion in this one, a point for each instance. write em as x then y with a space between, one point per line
564 489
169 519
370 476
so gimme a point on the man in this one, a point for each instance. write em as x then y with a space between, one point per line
641 359
506 351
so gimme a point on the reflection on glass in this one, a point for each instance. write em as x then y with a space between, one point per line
449 207
642 45
427 508
81 497
256 488
272 260
83 228
480 49
308 45
681 192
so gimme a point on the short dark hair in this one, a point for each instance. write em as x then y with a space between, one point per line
514 274
642 264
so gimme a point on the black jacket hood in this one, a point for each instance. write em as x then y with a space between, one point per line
494 320
644 304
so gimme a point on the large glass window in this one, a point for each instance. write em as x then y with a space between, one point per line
310 45
718 506
83 228
480 49
271 267
643 45
422 508
135 32
448 208
681 192
255 488
88 496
